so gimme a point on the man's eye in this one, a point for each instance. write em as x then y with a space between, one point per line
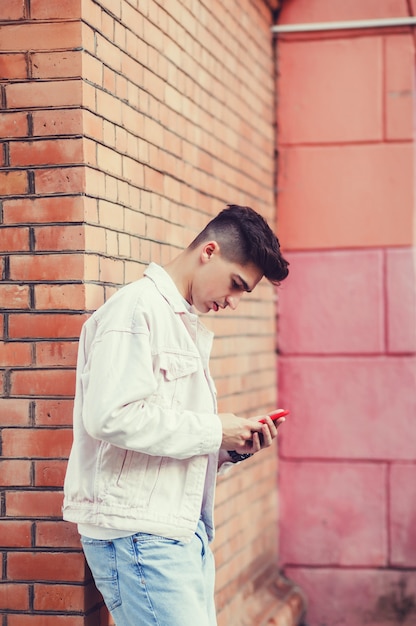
235 284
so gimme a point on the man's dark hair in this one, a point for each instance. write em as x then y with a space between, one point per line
245 237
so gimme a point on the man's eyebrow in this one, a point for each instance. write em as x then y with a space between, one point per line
244 284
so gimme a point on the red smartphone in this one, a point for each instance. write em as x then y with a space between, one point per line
275 415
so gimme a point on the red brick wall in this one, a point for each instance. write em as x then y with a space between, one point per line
42 302
125 126
346 206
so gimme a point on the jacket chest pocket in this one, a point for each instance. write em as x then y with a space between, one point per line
177 377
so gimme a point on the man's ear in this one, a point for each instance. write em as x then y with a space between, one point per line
209 249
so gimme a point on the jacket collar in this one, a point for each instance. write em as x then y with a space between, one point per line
167 288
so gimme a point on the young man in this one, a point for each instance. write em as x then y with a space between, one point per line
148 440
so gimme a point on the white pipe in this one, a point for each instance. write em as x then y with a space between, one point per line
346 25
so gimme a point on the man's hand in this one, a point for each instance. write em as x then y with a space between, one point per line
247 436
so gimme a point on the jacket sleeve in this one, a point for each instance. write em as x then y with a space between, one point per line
120 402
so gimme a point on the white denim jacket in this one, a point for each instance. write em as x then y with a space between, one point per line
146 432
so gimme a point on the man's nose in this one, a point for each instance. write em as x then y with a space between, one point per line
232 301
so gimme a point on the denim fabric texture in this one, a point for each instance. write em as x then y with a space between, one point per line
149 580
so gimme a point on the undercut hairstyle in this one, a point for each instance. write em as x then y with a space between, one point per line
245 237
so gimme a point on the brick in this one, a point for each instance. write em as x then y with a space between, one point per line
343 514
50 473
133 171
96 237
44 10
349 72
92 69
14 597
15 533
46 267
90 154
43 383
44 94
46 152
13 66
399 96
57 535
60 180
57 122
94 295
135 222
120 34
107 51
11 10
95 179
92 125
124 248
33 504
20 619
110 216
56 64
109 79
111 271
154 180
16 354
14 239
111 9
60 297
112 186
109 161
402 515
372 596
357 327
41 210
57 238
46 566
3 154
13 124
350 416
362 217
62 598
53 412
401 300
15 472
13 183
45 325
22 37
16 294
49 353
92 14
110 108
14 412
36 443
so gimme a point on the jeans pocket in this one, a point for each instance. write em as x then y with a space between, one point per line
201 533
101 558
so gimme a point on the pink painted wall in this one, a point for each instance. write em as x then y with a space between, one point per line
347 317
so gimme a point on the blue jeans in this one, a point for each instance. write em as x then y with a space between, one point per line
147 580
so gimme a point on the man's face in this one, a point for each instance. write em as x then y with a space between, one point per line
219 283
